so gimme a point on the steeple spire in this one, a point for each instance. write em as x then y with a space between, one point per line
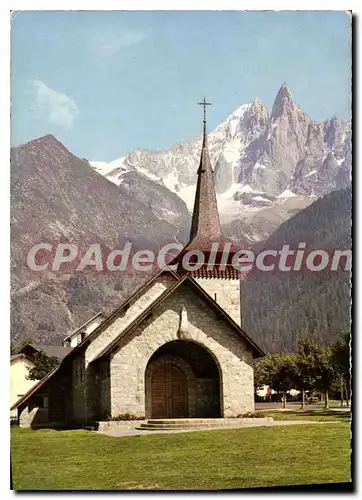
206 230
205 227
204 138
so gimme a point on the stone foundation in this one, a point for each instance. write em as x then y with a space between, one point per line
125 425
182 423
33 416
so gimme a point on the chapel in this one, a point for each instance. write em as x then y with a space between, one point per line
174 349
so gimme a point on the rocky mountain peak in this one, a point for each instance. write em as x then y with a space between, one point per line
45 146
253 151
256 115
258 108
283 102
45 140
256 104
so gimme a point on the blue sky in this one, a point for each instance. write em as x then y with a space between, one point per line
105 83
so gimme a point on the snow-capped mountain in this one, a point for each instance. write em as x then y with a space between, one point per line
259 157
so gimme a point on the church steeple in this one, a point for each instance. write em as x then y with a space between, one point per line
205 226
210 265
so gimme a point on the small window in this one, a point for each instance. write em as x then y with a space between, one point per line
81 337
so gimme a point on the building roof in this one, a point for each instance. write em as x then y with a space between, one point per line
52 351
13 357
201 292
84 324
35 387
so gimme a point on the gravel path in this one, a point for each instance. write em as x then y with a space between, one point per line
124 433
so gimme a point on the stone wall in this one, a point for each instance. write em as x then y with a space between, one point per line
125 425
105 387
31 415
79 389
226 292
98 390
59 390
27 416
148 295
205 327
207 398
52 402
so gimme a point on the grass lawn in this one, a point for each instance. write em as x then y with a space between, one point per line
308 414
201 460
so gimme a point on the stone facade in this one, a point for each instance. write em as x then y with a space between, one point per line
226 292
79 385
136 307
206 328
218 368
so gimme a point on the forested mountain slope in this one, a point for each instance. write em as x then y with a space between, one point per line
278 306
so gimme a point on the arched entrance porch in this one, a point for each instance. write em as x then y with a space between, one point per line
183 380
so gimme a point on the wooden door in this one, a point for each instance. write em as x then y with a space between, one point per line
178 392
169 392
158 393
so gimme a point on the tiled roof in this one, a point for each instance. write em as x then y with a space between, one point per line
205 226
56 351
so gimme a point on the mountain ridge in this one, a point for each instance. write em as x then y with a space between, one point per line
257 155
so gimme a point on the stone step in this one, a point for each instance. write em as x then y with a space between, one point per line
196 423
186 421
166 428
175 426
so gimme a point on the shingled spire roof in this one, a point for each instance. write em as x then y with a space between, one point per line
205 226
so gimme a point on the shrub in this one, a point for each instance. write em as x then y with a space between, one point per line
123 417
250 414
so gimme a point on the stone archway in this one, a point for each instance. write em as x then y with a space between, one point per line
170 388
182 379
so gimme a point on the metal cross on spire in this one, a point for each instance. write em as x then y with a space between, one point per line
204 104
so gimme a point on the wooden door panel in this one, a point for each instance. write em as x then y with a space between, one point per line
169 392
178 383
158 388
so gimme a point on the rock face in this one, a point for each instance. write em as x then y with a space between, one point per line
257 155
56 197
